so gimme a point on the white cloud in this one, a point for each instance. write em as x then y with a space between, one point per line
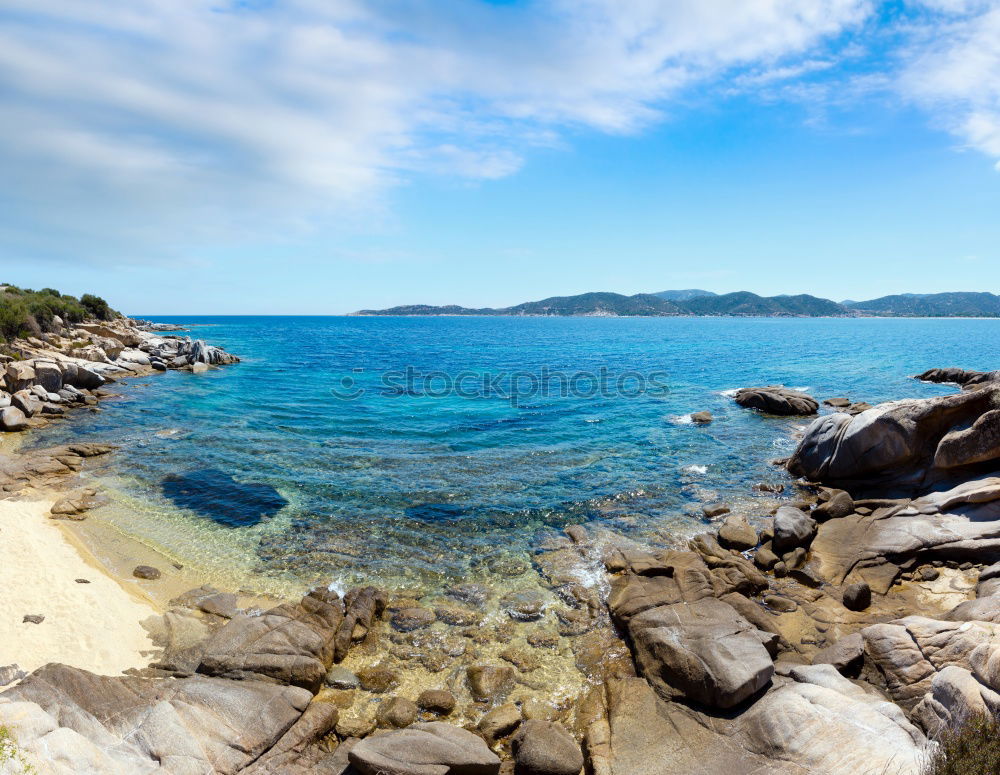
954 71
141 127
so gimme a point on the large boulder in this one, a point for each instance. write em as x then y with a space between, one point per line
776 400
68 721
292 644
27 402
48 375
545 748
432 748
12 419
900 441
703 651
792 528
20 375
824 723
83 377
907 654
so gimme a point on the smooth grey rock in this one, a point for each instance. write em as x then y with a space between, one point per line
736 533
545 748
857 597
432 748
293 644
71 721
792 528
704 651
846 655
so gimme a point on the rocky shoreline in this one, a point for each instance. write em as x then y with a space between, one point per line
841 634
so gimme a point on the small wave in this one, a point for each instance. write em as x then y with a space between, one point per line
338 586
594 419
805 389
695 469
729 393
680 419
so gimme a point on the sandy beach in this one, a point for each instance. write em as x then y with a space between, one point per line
95 625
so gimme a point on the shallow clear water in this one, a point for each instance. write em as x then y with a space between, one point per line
432 488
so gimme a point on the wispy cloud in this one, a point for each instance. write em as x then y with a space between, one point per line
135 129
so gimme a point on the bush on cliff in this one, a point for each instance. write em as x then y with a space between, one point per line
971 749
25 312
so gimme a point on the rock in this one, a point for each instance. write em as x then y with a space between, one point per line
12 419
83 377
989 581
19 376
837 403
701 418
976 444
776 400
361 607
846 655
524 605
895 441
499 722
11 673
338 677
68 720
471 594
433 748
712 510
146 572
820 722
199 368
955 696
396 712
577 534
545 748
354 726
983 609
780 604
857 597
955 524
219 604
27 402
736 533
458 616
765 558
792 528
49 376
408 619
437 701
489 683
33 619
291 644
929 574
838 505
377 679
704 651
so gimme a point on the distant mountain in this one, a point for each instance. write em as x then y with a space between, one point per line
685 295
644 305
932 305
746 304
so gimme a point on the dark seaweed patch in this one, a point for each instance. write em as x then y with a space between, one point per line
217 495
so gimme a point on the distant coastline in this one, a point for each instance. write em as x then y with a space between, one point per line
696 303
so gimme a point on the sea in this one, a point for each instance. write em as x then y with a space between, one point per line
421 451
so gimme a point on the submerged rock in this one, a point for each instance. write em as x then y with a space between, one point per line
216 494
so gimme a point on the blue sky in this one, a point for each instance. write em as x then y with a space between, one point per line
322 156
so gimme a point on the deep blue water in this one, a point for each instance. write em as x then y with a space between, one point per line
436 487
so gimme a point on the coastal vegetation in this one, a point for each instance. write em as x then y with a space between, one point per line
973 748
24 312
739 304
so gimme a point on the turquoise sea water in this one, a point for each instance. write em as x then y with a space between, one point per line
261 464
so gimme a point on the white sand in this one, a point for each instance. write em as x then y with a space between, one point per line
93 626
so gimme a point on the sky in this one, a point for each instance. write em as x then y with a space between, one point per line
324 156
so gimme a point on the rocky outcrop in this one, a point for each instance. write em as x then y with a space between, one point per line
76 722
290 644
914 441
776 400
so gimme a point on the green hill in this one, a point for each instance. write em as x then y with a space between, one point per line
932 305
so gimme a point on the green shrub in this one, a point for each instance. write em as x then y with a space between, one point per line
971 749
97 307
27 312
